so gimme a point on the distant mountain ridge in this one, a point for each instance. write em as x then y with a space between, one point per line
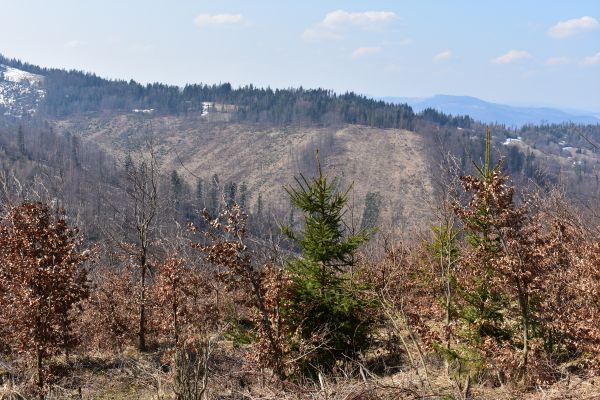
489 112
69 93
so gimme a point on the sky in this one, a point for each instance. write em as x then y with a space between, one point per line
539 53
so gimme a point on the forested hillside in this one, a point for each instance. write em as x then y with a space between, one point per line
75 92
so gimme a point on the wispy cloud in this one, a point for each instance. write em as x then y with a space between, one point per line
365 51
335 22
571 27
443 56
511 56
557 61
204 20
315 34
73 43
143 47
367 19
592 60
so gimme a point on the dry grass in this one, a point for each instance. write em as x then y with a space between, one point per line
140 376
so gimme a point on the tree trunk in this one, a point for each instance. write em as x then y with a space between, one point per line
174 310
268 328
447 336
525 312
142 311
40 372
66 344
447 325
524 305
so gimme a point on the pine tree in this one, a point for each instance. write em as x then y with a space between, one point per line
371 211
213 195
176 183
128 163
325 301
200 191
231 193
259 206
75 151
243 195
21 141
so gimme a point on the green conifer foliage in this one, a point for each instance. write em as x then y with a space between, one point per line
327 309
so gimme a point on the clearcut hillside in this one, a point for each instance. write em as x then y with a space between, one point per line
391 162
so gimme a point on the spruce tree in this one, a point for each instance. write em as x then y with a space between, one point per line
325 302
21 141
243 195
371 211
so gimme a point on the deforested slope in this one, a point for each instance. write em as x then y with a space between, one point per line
390 162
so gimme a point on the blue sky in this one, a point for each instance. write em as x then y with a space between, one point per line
517 52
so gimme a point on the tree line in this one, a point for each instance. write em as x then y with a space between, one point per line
75 92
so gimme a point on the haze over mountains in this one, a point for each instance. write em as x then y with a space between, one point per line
489 112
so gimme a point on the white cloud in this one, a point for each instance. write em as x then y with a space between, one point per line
368 19
571 27
336 21
203 20
592 60
73 43
143 47
511 56
316 33
365 51
558 61
443 56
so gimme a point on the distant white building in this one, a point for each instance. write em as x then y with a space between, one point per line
509 141
207 106
145 111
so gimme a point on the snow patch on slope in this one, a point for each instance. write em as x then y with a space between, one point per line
21 92
18 76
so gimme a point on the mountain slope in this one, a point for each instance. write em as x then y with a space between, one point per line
391 162
264 138
488 112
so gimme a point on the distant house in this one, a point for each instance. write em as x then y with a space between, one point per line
145 111
512 141
207 106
